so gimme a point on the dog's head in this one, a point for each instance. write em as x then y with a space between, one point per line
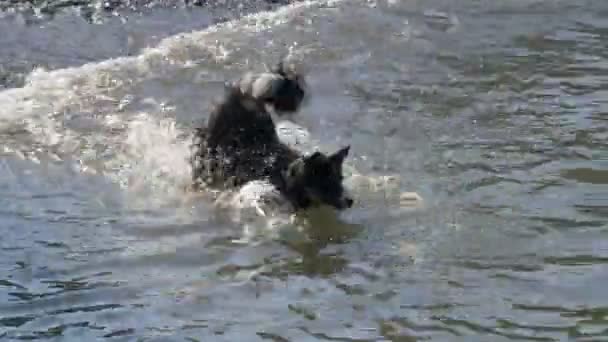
317 179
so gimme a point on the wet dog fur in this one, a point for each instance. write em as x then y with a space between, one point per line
239 144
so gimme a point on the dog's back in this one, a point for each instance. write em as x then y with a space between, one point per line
240 121
239 162
240 142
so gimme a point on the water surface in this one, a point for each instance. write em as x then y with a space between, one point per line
495 112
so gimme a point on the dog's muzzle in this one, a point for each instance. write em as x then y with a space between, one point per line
345 203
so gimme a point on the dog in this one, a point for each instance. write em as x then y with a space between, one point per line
242 118
240 144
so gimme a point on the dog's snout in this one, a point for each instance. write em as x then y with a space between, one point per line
345 203
342 203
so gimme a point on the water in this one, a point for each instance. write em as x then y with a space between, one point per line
494 112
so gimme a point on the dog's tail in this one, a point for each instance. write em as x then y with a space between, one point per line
261 87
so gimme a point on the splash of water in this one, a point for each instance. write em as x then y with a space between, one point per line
78 115
83 115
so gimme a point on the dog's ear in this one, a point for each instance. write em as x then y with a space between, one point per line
289 70
280 68
296 167
338 157
294 172
314 157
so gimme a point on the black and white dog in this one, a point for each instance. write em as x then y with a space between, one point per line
240 144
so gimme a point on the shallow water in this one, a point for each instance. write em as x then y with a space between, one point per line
493 111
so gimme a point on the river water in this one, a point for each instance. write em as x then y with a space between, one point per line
495 112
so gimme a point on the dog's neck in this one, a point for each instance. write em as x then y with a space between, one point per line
284 183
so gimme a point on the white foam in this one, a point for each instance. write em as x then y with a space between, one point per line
48 90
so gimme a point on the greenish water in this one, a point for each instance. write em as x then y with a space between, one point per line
494 112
